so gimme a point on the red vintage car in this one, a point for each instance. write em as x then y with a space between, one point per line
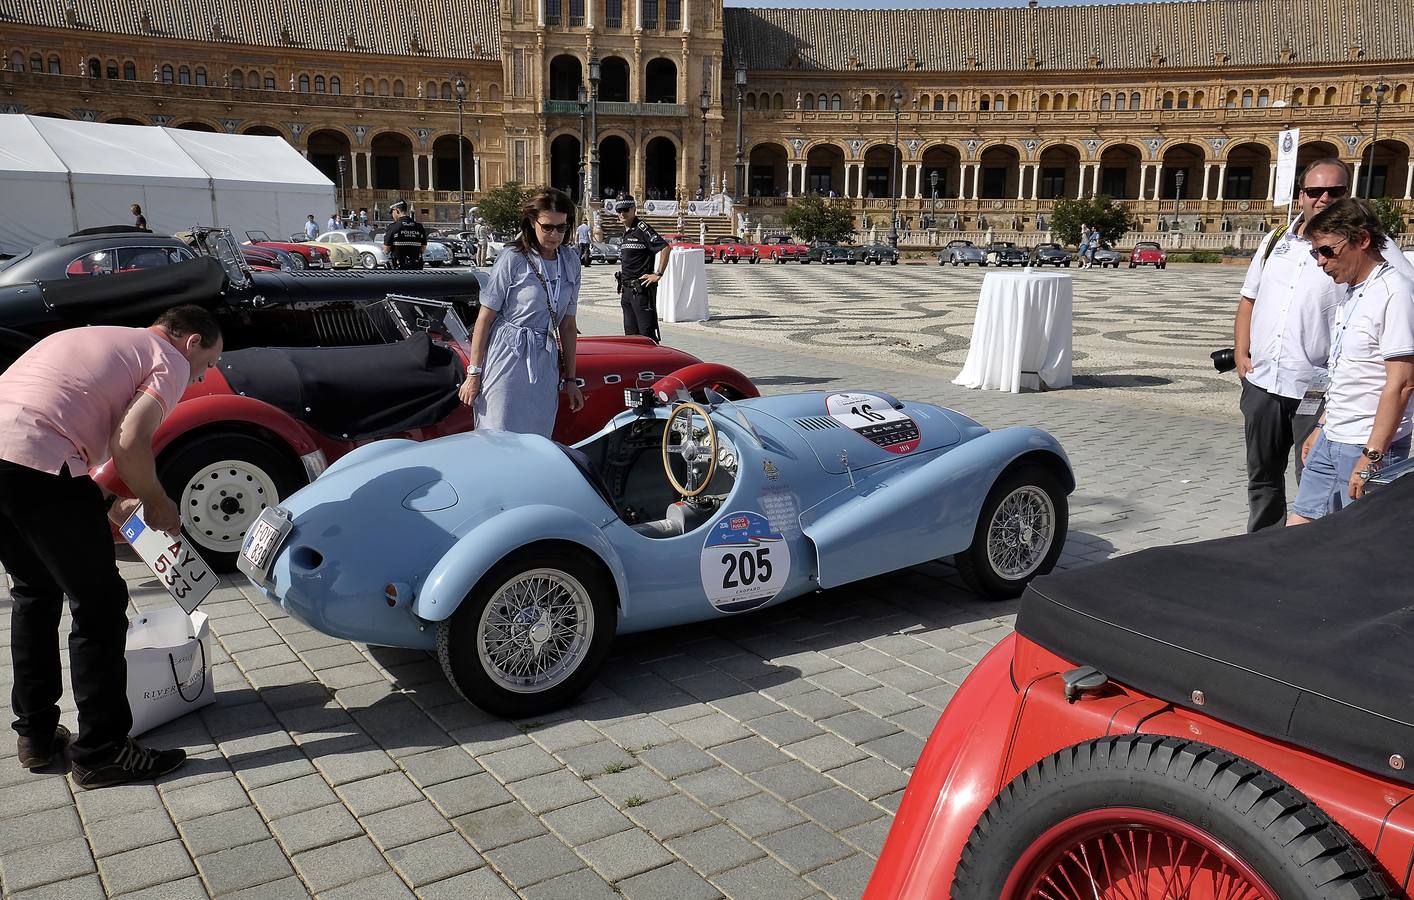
732 250
781 248
266 421
686 243
1148 253
310 256
1215 721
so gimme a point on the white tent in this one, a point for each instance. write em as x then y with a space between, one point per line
58 176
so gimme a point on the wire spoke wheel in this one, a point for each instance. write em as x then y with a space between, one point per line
536 630
1021 531
1131 854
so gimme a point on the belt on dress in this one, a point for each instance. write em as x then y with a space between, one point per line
522 341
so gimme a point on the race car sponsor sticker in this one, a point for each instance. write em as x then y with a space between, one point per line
745 562
875 419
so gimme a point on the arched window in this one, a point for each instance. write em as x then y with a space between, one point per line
1104 101
1044 104
431 90
269 81
1401 93
836 103
1182 99
952 102
1013 101
319 84
1330 96
237 78
252 78
750 101
184 75
129 71
1073 102
54 67
809 101
999 103
824 102
95 68
167 73
1298 97
493 93
304 84
201 76
368 85
939 103
1121 100
112 70
447 91
17 61
1197 99
778 101
36 62
984 103
1134 100
398 90
1246 99
335 85
1231 101
867 103
1168 100
1264 98
382 87
925 101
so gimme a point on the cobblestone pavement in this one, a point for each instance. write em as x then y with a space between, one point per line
756 756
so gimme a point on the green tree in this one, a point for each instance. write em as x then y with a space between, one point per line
1112 219
812 218
501 205
1391 216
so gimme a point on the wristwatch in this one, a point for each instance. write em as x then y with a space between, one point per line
1372 455
473 370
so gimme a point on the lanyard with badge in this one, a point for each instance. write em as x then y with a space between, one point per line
1321 381
552 301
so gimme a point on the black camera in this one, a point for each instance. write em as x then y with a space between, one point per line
1224 360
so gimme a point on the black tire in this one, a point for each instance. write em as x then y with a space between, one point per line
1163 265
215 523
755 260
299 262
1270 826
954 261
983 264
457 636
1131 265
893 262
975 564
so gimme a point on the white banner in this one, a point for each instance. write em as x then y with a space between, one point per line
660 207
706 207
1287 143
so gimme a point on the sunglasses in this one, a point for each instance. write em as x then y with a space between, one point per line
562 228
1336 191
1327 250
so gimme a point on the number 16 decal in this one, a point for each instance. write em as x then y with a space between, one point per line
745 562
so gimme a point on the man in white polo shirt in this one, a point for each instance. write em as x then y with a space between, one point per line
1367 416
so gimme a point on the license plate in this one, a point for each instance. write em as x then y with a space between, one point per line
177 566
262 540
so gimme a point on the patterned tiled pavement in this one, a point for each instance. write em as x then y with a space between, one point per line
753 756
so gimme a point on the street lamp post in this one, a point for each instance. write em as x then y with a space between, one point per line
897 100
706 102
1178 179
343 198
593 129
933 183
740 95
1380 90
582 99
461 164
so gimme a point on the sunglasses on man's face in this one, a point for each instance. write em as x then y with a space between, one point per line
1336 191
1327 250
562 228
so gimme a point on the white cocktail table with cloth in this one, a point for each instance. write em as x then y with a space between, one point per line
682 293
1022 332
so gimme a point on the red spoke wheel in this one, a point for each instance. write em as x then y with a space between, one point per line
1131 854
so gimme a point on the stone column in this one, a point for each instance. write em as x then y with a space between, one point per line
1021 180
976 180
1207 170
1222 179
539 13
1408 179
790 178
638 15
859 181
416 172
589 12
918 181
1158 181
1272 183
686 16
1354 178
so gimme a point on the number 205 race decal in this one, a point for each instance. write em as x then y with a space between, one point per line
745 562
874 418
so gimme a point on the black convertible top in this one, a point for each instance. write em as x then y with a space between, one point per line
139 296
1303 634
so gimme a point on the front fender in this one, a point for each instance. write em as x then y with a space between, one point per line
496 536
703 374
957 775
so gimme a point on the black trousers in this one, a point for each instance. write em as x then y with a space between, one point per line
584 255
55 540
1273 430
640 305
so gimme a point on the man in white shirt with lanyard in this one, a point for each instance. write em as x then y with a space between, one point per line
1366 423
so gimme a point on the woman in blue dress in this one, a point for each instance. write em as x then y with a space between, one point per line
523 345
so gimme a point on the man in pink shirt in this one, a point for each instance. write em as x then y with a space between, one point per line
68 404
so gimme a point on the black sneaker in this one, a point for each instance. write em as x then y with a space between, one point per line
34 756
133 763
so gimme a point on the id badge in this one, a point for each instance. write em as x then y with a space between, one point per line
1315 393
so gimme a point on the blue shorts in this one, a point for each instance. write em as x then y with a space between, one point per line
1325 481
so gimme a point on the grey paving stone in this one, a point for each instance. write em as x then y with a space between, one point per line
625 854
846 878
270 768
434 859
61 860
564 735
870 836
146 866
758 814
538 859
825 752
593 759
499 826
750 755
675 759
372 795
844 681
351 758
110 802
295 796
715 849
806 847
550 791
792 780
919 722
763 878
316 827
902 749
638 732
289 888
716 786
785 727
489 737
676 881
859 726
817 704
466 795
243 867
401 728
437 766
584 884
637 783
907 679
480 884
746 707
838 808
336 864
870 777
387 886
87 887
395 827
671 817
189 888
710 730
221 831
206 799
51 825
36 794
885 701
590 820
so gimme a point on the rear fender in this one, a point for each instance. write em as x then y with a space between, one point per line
499 534
700 375
957 775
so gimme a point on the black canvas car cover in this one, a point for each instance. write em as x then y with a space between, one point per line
352 393
136 296
1302 634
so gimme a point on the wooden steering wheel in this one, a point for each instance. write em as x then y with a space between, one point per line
688 447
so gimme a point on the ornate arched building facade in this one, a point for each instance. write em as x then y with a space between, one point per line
1000 111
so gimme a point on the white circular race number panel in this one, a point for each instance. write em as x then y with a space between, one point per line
745 562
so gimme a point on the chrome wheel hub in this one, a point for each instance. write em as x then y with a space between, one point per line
1021 531
535 631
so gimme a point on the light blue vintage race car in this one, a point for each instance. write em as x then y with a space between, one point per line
517 560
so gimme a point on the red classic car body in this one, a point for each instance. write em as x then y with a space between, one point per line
733 249
314 257
1148 253
781 249
686 243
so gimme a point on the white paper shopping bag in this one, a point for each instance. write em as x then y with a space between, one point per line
169 667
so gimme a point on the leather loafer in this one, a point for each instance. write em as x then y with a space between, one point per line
36 755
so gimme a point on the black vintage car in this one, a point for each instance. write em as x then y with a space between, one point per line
260 309
1006 253
878 254
1053 255
829 253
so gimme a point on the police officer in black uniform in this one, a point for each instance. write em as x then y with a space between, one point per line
405 240
644 258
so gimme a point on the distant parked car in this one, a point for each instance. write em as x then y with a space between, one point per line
311 255
1148 253
782 248
962 252
368 247
1053 255
437 254
733 249
683 242
462 252
829 253
1107 256
95 251
603 253
1006 253
878 254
